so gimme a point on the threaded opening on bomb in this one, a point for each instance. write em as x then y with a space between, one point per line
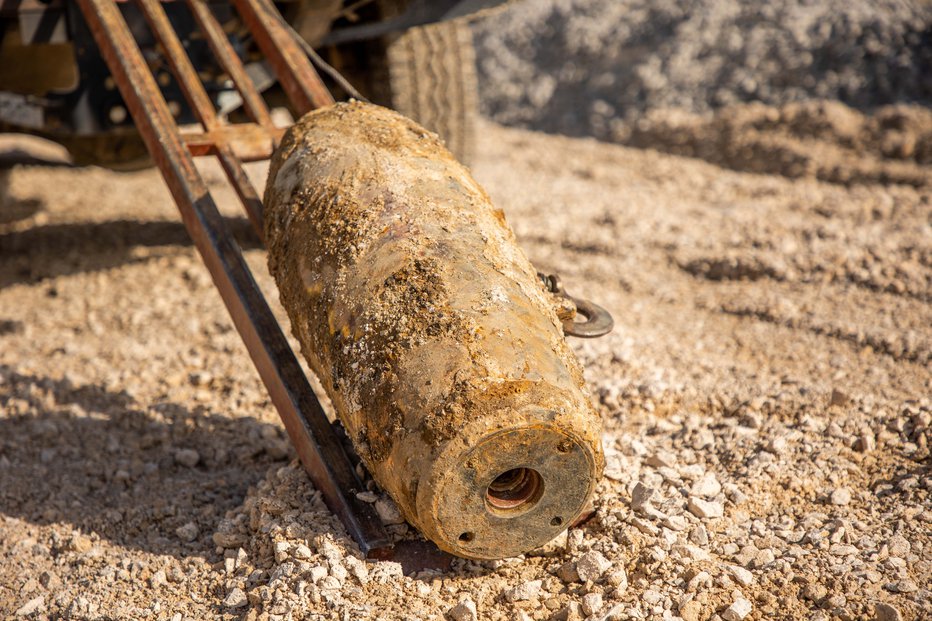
515 490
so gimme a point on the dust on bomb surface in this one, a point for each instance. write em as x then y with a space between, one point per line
765 397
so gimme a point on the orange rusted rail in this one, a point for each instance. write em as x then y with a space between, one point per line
315 440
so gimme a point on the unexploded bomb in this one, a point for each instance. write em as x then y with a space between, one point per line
433 336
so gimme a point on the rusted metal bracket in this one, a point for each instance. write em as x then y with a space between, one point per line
311 433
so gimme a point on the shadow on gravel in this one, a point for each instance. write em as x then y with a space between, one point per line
88 457
46 251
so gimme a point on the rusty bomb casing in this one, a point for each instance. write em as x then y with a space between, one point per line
433 336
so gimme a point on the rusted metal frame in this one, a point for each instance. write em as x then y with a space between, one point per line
292 67
243 186
311 433
197 97
180 63
230 61
250 142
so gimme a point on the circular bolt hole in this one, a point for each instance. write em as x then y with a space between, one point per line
467 537
556 521
516 488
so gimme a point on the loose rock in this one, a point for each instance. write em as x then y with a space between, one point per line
524 592
841 496
34 605
188 532
886 612
738 610
591 566
236 598
464 611
705 509
187 457
591 603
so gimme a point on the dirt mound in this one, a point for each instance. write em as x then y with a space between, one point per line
822 139
579 67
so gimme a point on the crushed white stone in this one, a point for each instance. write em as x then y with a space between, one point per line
705 509
591 603
369 497
31 607
464 611
640 496
741 575
317 573
567 572
707 487
591 566
886 612
526 591
388 511
236 598
188 532
738 610
302 551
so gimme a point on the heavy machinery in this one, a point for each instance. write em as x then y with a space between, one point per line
441 348
414 56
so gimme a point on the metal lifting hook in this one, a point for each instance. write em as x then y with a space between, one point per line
598 321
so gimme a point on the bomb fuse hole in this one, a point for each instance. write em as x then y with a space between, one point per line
516 488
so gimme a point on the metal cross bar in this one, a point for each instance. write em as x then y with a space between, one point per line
293 69
311 433
200 102
244 189
230 61
249 141
180 64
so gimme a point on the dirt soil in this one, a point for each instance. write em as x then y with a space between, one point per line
765 397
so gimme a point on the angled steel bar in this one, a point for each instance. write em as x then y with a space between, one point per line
305 421
197 97
230 61
292 67
180 63
243 186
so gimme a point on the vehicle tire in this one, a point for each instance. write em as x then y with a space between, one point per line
427 73
430 76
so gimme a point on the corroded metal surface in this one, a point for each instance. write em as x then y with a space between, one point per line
435 339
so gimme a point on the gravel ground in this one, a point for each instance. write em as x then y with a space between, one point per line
765 396
591 67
